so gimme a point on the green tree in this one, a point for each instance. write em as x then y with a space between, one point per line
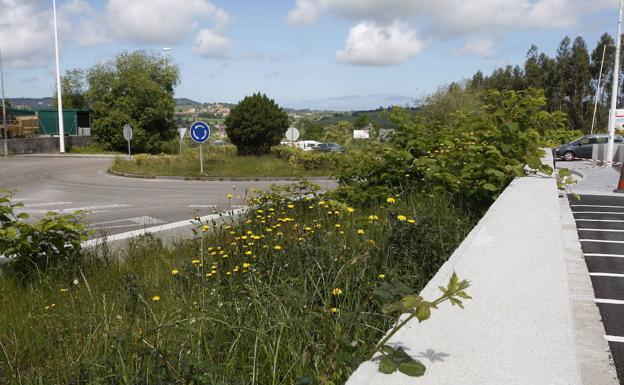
256 124
534 76
361 121
562 73
135 88
73 85
313 131
341 133
578 91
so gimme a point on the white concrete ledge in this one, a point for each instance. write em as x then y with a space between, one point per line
518 328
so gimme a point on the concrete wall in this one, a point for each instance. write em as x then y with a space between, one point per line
43 145
519 327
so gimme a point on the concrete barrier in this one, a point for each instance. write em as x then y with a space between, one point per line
519 327
599 154
43 144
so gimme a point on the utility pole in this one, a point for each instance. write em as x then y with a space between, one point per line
614 91
4 120
61 129
604 49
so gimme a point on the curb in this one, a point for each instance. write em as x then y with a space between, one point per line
219 178
59 155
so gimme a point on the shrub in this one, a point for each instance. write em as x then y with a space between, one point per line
256 124
51 243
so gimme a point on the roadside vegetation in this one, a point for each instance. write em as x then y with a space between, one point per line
299 290
223 161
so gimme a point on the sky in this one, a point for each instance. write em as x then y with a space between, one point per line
324 54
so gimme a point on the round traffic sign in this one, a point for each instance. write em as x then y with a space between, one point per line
200 132
292 134
127 132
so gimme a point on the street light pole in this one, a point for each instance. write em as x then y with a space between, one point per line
614 90
4 120
59 97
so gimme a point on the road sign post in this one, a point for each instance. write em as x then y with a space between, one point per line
292 134
200 132
181 133
127 133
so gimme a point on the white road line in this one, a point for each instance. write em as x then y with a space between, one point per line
599 212
93 209
606 207
44 204
598 220
614 338
609 301
607 275
599 241
157 229
604 230
202 206
604 255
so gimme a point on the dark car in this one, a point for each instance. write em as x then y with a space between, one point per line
582 147
329 147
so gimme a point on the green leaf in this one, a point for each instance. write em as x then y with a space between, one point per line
387 365
489 187
412 368
411 301
392 308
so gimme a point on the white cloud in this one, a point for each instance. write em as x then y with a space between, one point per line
482 47
159 21
370 44
25 33
211 44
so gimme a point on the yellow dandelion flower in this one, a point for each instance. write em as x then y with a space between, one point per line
225 256
291 206
205 228
338 225
401 218
246 265
391 200
195 261
334 310
360 232
156 298
248 252
350 209
277 247
381 276
229 196
63 290
337 291
175 272
373 218
411 221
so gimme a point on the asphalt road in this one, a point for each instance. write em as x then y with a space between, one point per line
600 224
117 204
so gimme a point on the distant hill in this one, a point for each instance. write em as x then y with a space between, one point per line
378 117
186 102
31 103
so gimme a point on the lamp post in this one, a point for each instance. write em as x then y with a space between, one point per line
4 121
61 129
614 91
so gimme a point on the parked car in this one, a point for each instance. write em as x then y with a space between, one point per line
219 142
329 147
582 147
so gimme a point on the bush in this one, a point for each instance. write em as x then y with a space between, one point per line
555 138
52 243
256 124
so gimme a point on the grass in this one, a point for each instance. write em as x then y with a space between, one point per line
92 149
250 301
220 161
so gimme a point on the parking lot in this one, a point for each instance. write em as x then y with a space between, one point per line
600 224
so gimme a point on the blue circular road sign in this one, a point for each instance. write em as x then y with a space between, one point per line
200 132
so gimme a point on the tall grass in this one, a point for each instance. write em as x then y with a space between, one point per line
251 301
219 161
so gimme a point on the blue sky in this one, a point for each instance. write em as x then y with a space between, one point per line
304 53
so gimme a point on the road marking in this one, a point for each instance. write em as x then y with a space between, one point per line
136 221
614 338
93 209
599 220
609 301
202 206
607 275
44 204
604 255
604 230
599 241
157 229
599 212
606 207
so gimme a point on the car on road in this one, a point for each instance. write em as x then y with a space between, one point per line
219 142
329 147
582 147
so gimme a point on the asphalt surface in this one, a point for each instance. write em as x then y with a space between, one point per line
118 204
600 223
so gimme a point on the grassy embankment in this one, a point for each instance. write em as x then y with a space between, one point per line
221 161
281 296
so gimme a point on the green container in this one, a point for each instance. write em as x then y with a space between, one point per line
72 119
